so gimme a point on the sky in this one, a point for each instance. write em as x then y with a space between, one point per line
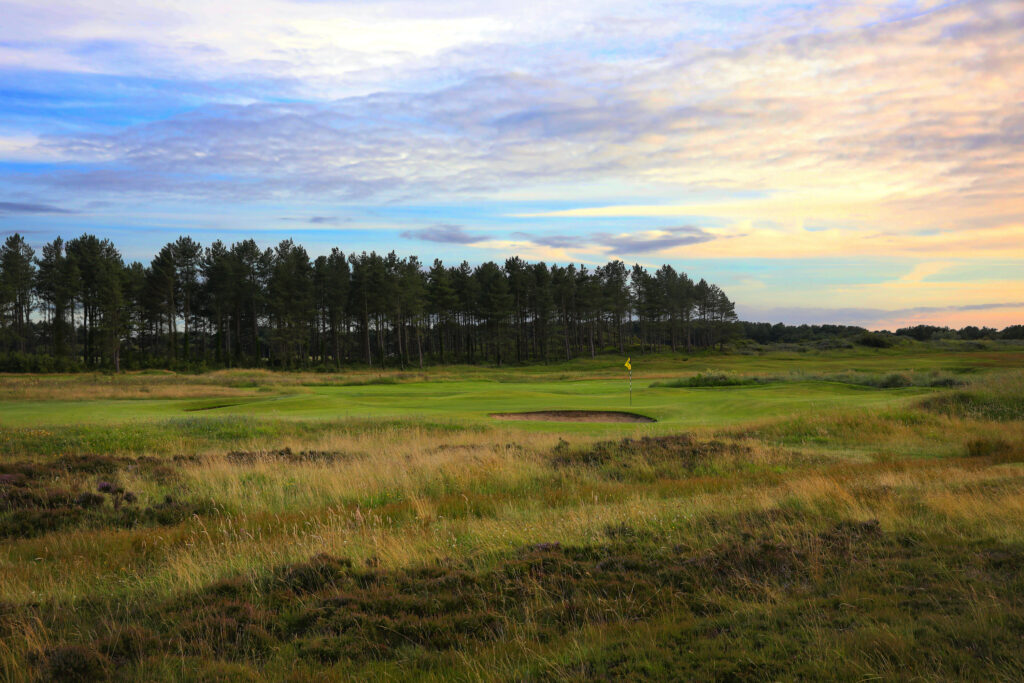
843 162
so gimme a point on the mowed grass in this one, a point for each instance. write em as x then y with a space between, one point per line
471 402
375 525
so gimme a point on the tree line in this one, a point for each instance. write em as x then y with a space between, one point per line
77 303
779 333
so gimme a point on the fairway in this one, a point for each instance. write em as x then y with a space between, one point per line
471 402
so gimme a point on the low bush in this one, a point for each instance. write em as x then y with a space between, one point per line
875 340
713 379
977 405
992 448
75 664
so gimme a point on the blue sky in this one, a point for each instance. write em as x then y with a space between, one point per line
851 162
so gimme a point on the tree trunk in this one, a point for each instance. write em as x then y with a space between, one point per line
419 346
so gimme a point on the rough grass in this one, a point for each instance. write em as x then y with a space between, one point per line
846 542
891 380
715 379
198 435
997 398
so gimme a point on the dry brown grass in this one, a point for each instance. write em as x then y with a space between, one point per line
95 387
409 498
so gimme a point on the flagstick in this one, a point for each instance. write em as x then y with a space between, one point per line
631 387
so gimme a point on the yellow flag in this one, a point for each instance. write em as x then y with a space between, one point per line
628 366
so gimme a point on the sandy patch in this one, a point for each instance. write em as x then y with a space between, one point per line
575 416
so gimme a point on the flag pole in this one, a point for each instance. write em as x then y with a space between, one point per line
629 366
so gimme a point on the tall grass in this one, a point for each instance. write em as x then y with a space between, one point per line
715 379
883 380
999 397
198 435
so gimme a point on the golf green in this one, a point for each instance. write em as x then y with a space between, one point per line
472 402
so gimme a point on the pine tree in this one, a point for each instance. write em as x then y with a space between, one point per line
615 285
291 303
494 305
186 255
442 302
55 289
17 272
542 306
253 267
163 291
219 278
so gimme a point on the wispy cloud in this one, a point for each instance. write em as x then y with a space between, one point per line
639 242
317 220
854 116
444 234
1000 314
7 208
658 241
922 271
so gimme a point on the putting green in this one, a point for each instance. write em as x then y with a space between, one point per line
471 402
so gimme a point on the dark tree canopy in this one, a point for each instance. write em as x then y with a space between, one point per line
78 304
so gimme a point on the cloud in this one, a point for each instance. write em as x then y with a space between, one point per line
641 242
997 314
317 220
667 238
308 40
864 120
23 233
923 271
741 239
7 208
443 233
555 241
337 46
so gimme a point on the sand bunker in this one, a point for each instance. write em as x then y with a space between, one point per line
575 416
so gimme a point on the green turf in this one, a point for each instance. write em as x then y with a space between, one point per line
473 401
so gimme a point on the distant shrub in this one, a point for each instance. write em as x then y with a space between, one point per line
320 572
875 340
832 344
381 379
895 380
74 663
988 447
87 499
32 362
128 642
945 381
713 379
1001 407
898 380
973 332
926 332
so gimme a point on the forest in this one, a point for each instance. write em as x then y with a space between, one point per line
79 304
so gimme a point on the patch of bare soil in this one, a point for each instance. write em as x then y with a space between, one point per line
575 416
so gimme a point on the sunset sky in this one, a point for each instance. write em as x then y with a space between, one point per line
839 162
